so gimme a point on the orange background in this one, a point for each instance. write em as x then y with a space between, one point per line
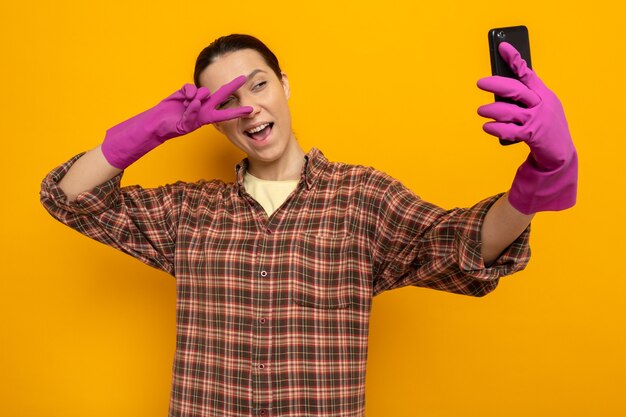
87 331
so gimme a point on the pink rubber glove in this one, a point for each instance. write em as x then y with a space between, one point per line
182 112
548 179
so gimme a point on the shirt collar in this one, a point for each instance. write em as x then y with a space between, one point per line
314 164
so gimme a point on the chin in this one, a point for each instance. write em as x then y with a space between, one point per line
271 154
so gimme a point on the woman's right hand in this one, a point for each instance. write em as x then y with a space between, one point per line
182 112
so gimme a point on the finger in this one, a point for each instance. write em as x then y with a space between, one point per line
190 116
229 114
506 131
227 89
202 93
504 112
513 58
518 65
185 94
510 88
189 91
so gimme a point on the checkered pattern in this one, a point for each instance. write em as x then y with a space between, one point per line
273 313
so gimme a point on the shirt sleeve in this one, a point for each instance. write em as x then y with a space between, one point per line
423 245
140 222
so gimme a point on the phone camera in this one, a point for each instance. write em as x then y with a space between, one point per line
501 34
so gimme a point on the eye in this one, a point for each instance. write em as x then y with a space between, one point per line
259 85
226 103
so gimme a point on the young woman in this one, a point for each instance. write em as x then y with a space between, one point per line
276 271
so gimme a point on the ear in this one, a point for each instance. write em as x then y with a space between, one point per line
285 82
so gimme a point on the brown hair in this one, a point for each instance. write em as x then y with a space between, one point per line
231 43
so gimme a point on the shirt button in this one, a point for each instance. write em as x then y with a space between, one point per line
262 412
263 274
261 366
262 321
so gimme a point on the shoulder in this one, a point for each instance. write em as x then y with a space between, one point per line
352 178
194 193
360 175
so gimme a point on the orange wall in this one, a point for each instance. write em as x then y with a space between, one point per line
87 331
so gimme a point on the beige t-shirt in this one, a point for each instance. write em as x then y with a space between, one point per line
269 194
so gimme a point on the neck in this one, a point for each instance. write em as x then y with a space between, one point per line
288 166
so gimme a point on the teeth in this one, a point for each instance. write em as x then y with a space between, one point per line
258 128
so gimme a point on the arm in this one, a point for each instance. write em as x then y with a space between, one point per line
180 113
91 170
503 224
548 179
140 222
418 243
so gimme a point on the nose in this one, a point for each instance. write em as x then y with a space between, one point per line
250 102
253 113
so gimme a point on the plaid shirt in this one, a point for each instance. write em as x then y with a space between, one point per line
273 313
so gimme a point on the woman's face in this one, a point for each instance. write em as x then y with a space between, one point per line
265 133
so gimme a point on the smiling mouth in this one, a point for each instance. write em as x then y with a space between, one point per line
260 132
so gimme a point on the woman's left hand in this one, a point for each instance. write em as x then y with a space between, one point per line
548 179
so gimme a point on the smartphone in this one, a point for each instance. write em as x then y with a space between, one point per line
518 37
